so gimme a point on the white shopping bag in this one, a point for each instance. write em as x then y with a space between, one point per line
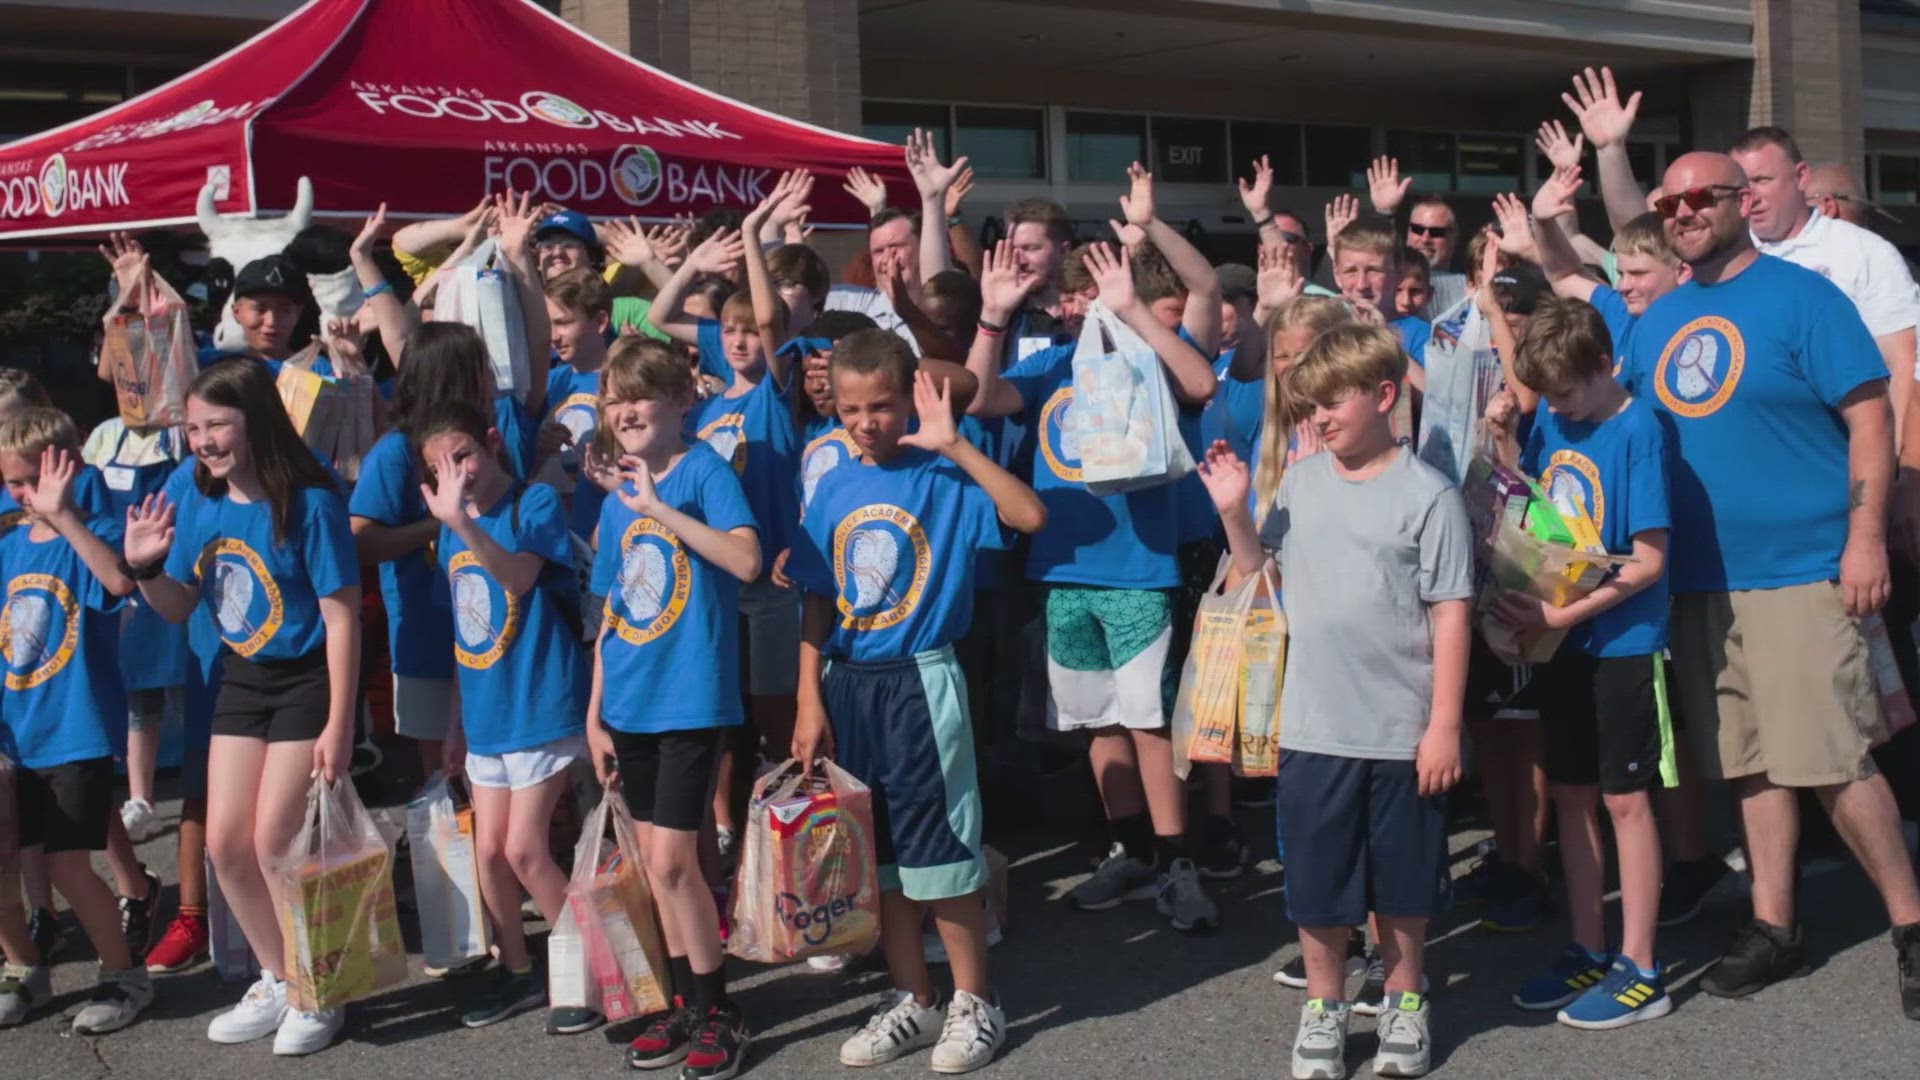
446 877
1463 373
478 293
1123 414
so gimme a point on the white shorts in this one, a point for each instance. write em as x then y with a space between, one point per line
770 631
517 770
421 707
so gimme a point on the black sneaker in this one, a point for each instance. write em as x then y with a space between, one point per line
572 1020
1489 879
505 995
1294 972
136 917
1685 888
1906 945
719 1046
1223 852
663 1038
43 926
1760 956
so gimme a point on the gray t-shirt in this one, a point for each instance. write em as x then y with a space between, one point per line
1360 561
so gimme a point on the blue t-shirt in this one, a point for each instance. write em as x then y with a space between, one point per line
209 356
1122 541
414 592
825 452
263 596
61 630
894 547
519 435
153 651
1414 333
1236 414
755 432
713 352
1613 312
1615 471
524 676
1752 370
817 426
573 402
672 616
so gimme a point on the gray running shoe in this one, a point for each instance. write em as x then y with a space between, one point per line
117 1001
1120 878
1320 1047
1183 901
22 990
1406 1045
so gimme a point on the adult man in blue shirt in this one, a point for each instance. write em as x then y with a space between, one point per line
1784 461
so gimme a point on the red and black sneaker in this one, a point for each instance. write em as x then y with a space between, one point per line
182 946
719 1046
663 1039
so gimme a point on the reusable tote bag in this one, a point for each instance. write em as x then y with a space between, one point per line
148 356
1123 410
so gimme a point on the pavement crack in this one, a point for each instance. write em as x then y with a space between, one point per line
93 1047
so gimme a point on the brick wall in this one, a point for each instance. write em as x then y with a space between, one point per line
1806 74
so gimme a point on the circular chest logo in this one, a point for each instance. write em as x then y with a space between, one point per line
1573 484
821 457
555 109
1700 367
1059 436
579 414
655 580
53 185
485 617
247 605
38 629
636 175
723 435
880 566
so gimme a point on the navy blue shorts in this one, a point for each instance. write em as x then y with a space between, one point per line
1359 837
901 728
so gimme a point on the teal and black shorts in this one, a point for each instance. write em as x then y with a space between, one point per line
900 727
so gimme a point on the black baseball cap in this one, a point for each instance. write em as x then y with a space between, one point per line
1238 281
273 274
1525 285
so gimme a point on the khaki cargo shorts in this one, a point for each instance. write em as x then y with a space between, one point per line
1776 682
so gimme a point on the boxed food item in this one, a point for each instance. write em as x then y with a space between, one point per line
808 882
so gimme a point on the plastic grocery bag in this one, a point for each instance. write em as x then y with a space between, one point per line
337 416
337 910
446 876
1123 414
149 357
233 958
1895 705
1263 666
478 293
607 952
1207 707
1462 375
808 884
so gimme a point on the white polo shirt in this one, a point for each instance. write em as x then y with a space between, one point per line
1865 267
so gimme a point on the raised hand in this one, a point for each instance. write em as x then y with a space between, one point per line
131 268
1254 195
867 188
923 163
361 251
1552 141
447 500
645 496
1112 275
600 469
1555 197
1131 236
628 244
346 345
54 490
1595 101
719 253
1385 187
1004 285
1483 297
1225 477
937 432
1278 281
1136 207
517 216
1516 231
787 204
1341 213
149 531
670 241
958 191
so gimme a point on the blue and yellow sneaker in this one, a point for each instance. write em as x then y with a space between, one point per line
1625 996
1576 972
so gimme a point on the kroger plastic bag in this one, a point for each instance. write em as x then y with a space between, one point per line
446 876
1123 410
808 883
607 953
337 910
481 295
149 357
1206 708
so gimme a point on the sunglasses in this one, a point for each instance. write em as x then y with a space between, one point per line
1290 237
1699 198
1436 231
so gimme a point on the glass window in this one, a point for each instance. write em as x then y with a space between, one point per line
1426 156
1281 144
1100 146
893 121
1644 159
1001 144
1189 151
1542 169
1899 179
1489 164
1338 156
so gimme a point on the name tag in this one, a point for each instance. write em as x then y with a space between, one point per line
1027 346
118 477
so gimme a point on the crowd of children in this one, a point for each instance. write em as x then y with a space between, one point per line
656 560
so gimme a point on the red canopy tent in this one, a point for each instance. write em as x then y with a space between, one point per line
425 105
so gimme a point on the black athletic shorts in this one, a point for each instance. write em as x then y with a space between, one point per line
1497 690
274 700
65 808
668 777
1602 720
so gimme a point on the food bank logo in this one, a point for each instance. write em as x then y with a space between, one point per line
555 109
53 185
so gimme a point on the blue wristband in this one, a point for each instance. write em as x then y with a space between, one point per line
383 287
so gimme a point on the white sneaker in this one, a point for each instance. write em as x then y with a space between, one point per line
308 1032
971 1036
119 999
140 819
899 1028
257 1016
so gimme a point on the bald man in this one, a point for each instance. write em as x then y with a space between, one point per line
1832 192
1783 467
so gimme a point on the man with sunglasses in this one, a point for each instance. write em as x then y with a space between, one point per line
1783 467
1432 230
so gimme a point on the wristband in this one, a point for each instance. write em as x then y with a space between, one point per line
953 221
1263 222
990 328
383 287
143 573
